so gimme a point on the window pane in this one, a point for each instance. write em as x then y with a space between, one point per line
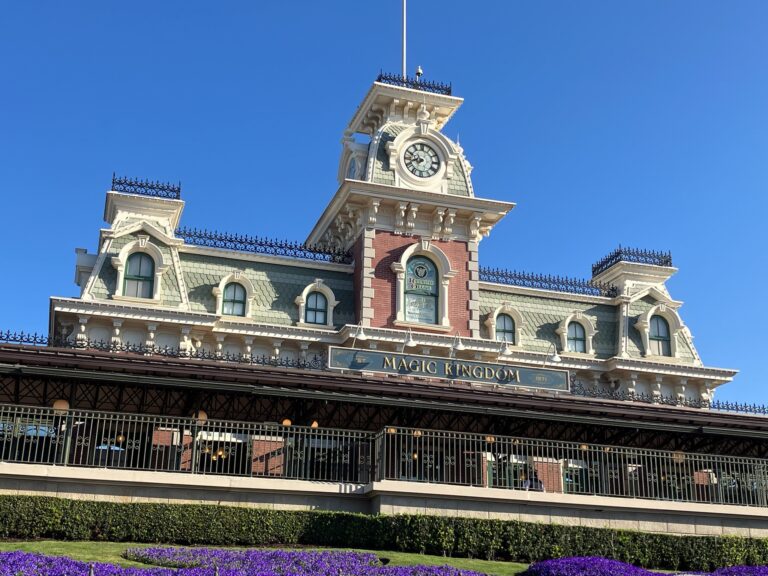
659 327
311 317
421 290
131 288
320 317
421 308
238 309
140 265
227 309
146 267
145 288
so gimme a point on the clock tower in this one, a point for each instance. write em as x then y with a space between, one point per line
407 209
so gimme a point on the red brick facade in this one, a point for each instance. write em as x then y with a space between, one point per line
389 248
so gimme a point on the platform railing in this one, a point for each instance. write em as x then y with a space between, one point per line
186 445
491 461
83 438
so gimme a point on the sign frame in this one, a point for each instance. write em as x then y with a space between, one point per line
447 369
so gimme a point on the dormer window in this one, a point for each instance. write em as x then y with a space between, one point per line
421 291
234 299
577 338
505 329
659 337
316 309
139 276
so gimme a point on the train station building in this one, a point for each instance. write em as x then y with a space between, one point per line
377 366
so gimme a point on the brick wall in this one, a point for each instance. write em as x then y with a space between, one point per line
267 457
389 248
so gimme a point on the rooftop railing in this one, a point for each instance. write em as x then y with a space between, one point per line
146 187
547 282
318 362
415 83
636 255
256 245
197 445
315 362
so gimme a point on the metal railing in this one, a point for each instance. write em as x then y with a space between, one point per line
146 187
256 245
199 446
415 83
547 282
318 363
485 460
187 445
636 255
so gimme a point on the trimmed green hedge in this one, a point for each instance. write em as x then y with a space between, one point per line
32 517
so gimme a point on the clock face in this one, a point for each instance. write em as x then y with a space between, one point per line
421 160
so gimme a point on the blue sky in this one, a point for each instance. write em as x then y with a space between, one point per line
633 122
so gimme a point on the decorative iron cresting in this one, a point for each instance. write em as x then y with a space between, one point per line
636 255
244 243
146 187
317 362
579 389
547 282
415 83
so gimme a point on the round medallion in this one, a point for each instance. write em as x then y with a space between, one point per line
420 270
421 160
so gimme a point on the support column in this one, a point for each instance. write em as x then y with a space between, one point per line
473 285
367 292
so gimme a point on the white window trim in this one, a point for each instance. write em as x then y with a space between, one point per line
301 301
444 272
237 277
119 262
643 326
507 309
589 333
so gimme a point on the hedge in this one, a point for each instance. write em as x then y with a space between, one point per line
33 517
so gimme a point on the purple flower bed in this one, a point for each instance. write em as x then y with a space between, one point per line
204 562
585 566
595 566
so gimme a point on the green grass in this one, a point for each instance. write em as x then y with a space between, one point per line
110 552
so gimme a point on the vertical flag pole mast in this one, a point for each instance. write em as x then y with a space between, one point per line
405 73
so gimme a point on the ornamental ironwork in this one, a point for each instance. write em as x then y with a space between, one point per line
547 282
623 395
317 362
415 83
243 243
636 255
146 187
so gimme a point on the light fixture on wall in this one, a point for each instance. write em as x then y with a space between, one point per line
409 341
314 424
457 345
286 422
554 357
504 350
359 335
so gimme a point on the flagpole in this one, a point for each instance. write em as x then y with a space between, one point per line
405 71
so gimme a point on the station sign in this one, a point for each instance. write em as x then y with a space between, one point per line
442 368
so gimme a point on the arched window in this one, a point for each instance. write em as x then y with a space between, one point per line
660 342
505 328
421 291
139 278
316 310
577 338
234 299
